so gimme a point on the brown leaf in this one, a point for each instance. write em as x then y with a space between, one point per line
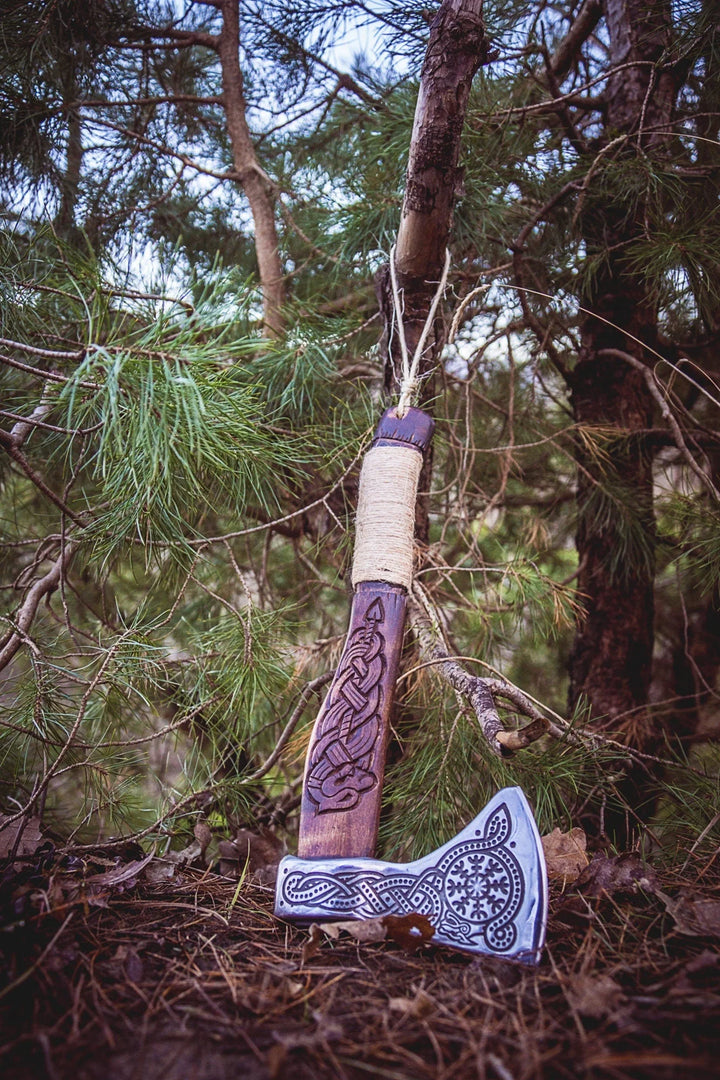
360 929
131 962
97 887
160 870
416 1007
409 931
328 1029
565 854
698 974
203 835
609 874
695 915
30 838
275 1060
594 996
254 853
312 944
186 857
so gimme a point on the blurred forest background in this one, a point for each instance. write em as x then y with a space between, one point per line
196 200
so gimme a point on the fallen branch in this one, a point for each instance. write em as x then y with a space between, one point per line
480 693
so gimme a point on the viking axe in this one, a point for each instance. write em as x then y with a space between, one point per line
485 891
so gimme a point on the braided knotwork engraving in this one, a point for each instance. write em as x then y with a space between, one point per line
472 894
340 766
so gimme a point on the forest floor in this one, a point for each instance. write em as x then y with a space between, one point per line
120 968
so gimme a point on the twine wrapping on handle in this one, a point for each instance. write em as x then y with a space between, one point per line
385 522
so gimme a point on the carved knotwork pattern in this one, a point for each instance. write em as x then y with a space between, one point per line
472 894
340 766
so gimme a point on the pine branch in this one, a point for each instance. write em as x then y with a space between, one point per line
27 611
481 693
256 184
652 384
166 151
569 48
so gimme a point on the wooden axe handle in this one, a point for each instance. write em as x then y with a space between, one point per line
345 764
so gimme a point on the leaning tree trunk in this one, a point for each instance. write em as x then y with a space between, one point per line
456 49
610 665
253 178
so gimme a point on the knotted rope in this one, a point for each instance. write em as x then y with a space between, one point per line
410 368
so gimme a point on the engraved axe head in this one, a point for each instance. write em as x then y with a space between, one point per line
485 891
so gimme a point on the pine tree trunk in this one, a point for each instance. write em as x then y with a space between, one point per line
65 222
255 182
610 665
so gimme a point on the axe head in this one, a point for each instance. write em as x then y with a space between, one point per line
485 891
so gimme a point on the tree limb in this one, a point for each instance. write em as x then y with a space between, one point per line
585 22
256 184
480 693
42 588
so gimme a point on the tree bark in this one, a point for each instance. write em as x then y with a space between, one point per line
610 664
456 49
255 182
65 221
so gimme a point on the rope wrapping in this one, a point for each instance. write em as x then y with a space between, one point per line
385 523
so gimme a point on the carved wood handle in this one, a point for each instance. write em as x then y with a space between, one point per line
345 765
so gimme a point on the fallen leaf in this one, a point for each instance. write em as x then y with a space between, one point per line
416 1007
275 1060
96 888
203 835
702 968
131 962
328 1029
594 996
187 856
30 836
160 870
120 874
610 874
695 915
254 853
312 944
409 931
565 854
360 929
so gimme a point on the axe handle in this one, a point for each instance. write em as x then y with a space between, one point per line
345 766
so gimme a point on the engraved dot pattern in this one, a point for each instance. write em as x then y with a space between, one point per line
474 893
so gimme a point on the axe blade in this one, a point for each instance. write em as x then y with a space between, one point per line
485 891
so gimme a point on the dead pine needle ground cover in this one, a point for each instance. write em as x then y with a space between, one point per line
120 967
